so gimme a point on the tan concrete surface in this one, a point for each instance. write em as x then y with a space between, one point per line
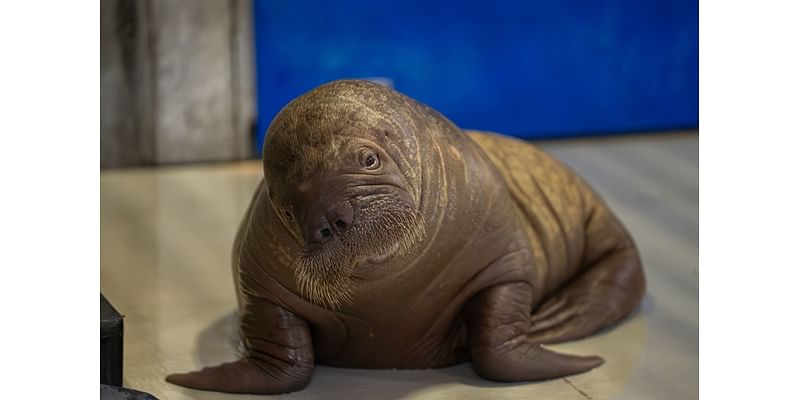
166 236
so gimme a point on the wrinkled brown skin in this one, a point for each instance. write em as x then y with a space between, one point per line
518 252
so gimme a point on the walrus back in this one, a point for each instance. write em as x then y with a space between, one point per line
553 202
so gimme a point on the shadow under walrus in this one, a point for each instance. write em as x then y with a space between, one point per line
621 345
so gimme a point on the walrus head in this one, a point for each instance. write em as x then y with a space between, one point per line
342 168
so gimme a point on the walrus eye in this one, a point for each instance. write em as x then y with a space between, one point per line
288 215
370 160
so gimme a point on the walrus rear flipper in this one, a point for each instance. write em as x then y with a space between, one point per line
501 346
244 376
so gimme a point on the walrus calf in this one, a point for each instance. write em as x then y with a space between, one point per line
383 236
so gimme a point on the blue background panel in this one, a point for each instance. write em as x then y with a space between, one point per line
525 68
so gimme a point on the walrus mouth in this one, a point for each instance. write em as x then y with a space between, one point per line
389 227
379 258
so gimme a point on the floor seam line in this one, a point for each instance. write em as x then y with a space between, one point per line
581 392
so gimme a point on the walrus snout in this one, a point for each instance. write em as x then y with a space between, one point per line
338 218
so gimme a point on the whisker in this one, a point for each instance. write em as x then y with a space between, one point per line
326 277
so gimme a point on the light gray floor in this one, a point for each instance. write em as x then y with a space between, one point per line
165 242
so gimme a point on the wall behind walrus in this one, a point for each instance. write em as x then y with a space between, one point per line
178 77
176 81
527 68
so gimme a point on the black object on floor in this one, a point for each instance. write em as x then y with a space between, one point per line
108 392
111 329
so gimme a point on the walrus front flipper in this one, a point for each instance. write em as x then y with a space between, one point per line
243 376
280 357
501 349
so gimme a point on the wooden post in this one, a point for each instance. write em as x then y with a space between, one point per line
177 81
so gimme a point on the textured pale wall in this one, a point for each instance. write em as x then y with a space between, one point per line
126 134
176 81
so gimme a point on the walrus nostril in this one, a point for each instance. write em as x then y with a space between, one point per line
319 233
337 219
341 216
